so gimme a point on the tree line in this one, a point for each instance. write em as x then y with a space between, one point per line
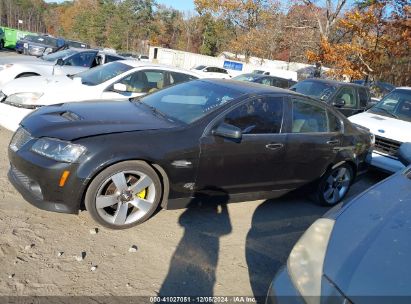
367 39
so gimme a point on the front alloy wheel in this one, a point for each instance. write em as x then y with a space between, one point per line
124 195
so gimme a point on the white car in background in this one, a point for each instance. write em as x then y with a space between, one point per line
116 80
70 61
390 121
211 72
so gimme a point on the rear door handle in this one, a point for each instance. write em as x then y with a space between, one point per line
274 146
333 142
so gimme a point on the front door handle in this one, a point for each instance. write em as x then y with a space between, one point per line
274 146
333 142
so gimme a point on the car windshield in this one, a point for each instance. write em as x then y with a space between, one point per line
189 101
316 89
396 104
102 73
46 40
76 44
30 38
58 55
247 77
199 67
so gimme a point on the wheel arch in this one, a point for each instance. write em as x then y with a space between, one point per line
27 74
165 182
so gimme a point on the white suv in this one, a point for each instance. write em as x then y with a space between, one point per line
390 121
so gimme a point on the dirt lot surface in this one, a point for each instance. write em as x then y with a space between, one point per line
204 250
197 251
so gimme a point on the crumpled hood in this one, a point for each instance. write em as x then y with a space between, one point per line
384 126
50 86
369 250
76 120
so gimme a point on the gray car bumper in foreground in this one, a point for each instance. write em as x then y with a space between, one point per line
282 290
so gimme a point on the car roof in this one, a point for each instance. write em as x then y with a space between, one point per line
138 64
252 88
403 88
334 82
258 76
249 87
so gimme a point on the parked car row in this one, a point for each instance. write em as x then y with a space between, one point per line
126 138
129 154
63 157
65 62
116 80
39 45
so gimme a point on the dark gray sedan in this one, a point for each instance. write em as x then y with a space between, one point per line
349 98
358 252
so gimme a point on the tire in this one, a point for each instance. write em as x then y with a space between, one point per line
27 75
334 185
124 195
1 44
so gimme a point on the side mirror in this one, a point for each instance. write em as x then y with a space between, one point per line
228 131
119 87
404 154
60 62
339 103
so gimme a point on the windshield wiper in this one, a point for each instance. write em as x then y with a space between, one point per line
154 110
386 111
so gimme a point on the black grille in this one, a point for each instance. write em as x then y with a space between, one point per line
387 146
20 138
24 180
27 183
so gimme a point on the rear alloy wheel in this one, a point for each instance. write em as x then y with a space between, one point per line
334 185
124 195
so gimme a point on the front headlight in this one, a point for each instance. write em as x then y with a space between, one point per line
48 50
24 100
305 263
58 150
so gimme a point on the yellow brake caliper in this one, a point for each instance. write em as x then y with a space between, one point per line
142 193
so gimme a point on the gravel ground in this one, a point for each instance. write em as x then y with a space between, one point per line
198 251
204 250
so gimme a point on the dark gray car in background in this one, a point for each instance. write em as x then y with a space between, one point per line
359 252
349 98
43 45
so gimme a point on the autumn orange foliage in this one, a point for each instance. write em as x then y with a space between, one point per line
369 42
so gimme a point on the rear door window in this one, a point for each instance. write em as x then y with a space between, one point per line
144 81
180 77
308 118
